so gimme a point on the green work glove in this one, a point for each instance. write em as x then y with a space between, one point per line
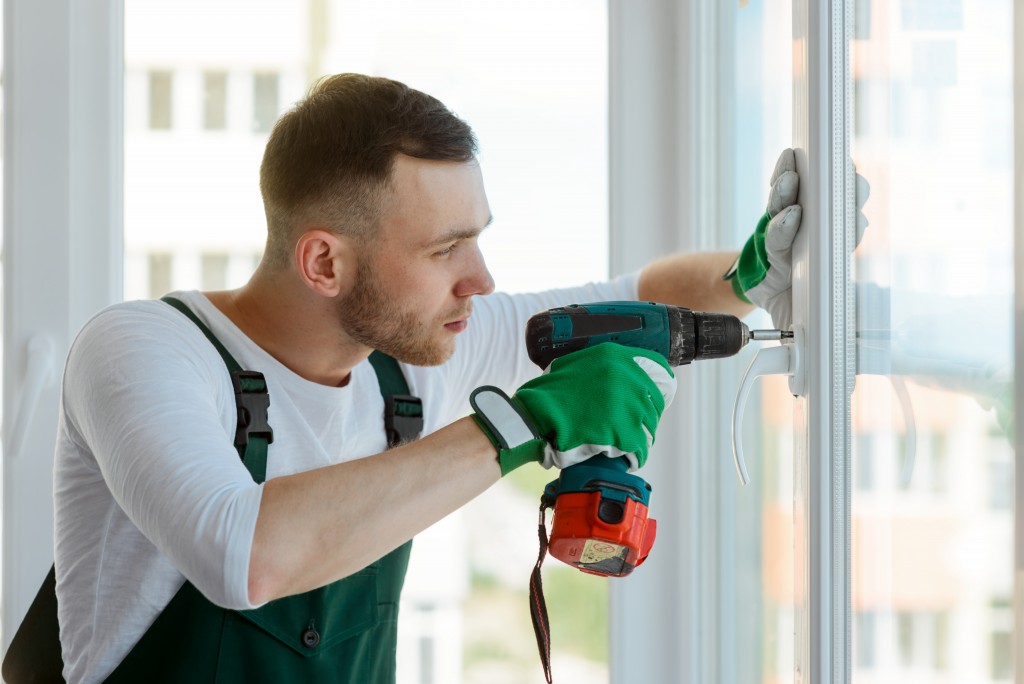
605 399
763 274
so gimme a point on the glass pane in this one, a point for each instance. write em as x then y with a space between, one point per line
761 519
214 272
264 101
530 76
160 264
161 99
215 92
932 459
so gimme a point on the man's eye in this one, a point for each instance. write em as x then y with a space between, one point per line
446 251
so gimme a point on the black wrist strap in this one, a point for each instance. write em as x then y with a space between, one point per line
538 607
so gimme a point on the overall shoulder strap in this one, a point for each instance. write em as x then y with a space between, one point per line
34 656
252 432
403 413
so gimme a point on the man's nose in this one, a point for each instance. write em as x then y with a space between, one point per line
478 281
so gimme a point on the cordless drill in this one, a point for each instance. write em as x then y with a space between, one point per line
600 523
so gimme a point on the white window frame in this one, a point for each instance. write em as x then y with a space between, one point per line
1018 387
665 173
668 86
823 305
63 129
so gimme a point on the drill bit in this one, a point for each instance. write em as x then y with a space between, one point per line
771 334
749 335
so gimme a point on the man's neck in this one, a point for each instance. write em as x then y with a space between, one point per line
295 326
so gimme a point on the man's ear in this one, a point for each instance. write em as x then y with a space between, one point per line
326 262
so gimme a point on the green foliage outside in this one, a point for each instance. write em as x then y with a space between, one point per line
578 610
531 479
499 628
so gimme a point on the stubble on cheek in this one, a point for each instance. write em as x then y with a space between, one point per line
376 320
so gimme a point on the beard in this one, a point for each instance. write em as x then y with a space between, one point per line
374 319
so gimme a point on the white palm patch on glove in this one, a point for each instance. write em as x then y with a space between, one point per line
774 292
785 184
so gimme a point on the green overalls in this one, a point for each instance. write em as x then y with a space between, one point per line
343 632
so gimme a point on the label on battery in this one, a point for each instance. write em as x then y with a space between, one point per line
595 552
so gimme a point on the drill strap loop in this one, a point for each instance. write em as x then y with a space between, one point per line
538 607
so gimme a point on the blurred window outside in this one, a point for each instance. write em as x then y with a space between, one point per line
1001 631
160 264
931 517
215 85
266 106
214 272
161 99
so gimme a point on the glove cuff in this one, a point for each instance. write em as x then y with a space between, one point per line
737 288
752 265
508 428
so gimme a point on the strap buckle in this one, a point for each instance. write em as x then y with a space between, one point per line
252 401
403 418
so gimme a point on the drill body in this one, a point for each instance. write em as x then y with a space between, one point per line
675 332
600 523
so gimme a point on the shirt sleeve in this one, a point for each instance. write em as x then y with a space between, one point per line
151 401
492 351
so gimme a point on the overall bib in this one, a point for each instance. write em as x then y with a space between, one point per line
343 632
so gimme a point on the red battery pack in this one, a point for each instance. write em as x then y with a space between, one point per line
601 536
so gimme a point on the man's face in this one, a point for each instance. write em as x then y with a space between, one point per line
416 280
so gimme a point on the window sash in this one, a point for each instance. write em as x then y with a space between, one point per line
63 127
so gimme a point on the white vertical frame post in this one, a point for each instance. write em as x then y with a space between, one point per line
647 174
823 305
63 168
664 176
1018 314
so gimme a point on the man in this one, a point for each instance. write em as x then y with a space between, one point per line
178 561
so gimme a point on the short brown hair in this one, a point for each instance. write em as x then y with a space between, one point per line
329 159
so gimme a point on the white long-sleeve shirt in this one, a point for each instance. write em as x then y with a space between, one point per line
149 489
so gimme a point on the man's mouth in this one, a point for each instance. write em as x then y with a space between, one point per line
458 325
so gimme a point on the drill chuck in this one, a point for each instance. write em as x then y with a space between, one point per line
696 336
